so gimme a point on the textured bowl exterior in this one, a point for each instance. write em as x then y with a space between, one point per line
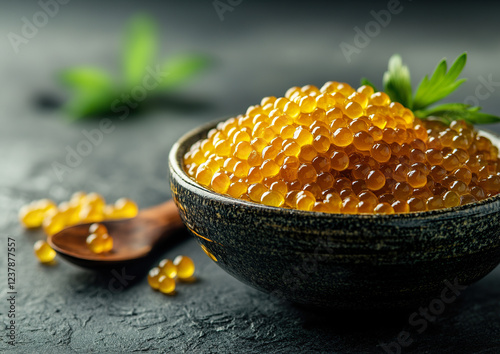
338 261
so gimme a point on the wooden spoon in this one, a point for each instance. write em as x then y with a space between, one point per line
133 238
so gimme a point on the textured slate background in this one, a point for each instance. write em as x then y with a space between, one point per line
260 49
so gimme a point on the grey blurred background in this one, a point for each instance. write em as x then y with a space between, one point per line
258 48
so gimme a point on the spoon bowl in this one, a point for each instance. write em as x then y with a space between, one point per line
133 238
338 261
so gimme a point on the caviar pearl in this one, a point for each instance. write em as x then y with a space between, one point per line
185 267
44 252
294 151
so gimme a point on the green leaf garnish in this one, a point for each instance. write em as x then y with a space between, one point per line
397 81
86 79
182 68
441 83
140 49
86 103
397 84
365 81
95 90
449 112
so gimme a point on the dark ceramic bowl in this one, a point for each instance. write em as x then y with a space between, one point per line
339 261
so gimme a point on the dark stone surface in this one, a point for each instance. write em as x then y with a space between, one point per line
260 48
338 261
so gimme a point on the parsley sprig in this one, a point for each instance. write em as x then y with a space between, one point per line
397 84
95 89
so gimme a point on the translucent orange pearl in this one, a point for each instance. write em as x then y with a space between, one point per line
44 252
375 180
342 137
185 267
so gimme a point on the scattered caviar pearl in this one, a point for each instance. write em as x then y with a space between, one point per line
44 252
166 285
98 229
90 214
126 208
71 212
99 243
185 267
53 222
153 278
94 200
168 268
31 217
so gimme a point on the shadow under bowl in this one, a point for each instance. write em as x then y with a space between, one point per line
338 261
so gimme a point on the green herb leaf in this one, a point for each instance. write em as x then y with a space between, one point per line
86 79
87 103
397 82
441 84
365 81
140 49
181 68
453 111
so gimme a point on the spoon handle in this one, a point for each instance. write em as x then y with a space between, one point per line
163 220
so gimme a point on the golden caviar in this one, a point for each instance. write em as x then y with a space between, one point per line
153 278
168 268
185 267
32 215
335 149
81 208
163 277
99 240
166 284
44 252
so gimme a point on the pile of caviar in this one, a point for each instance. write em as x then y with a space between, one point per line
98 240
81 208
163 277
341 150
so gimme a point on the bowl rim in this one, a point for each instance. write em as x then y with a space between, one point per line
176 167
